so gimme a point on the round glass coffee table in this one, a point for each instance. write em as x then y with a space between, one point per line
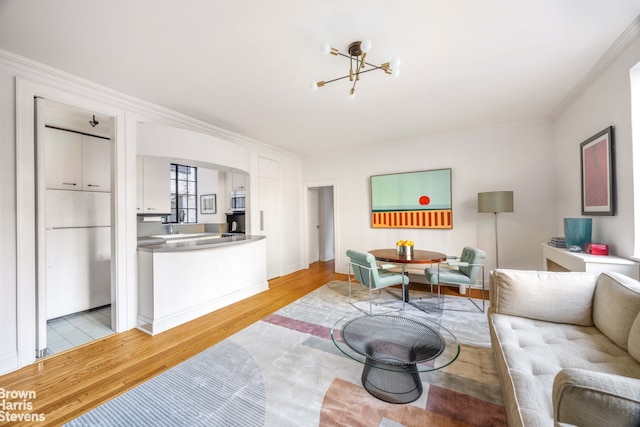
394 350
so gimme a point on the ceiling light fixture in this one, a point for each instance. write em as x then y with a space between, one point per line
357 64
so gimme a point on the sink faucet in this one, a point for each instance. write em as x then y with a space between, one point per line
170 228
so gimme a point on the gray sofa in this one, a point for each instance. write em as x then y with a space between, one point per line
567 347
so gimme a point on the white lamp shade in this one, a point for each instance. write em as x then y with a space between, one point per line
495 201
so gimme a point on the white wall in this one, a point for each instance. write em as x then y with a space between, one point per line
516 158
208 183
607 102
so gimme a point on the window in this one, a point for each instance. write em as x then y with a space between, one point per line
184 197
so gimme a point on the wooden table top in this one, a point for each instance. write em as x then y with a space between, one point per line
418 257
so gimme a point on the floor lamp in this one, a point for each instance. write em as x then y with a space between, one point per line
494 202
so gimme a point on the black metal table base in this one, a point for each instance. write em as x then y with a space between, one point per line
400 385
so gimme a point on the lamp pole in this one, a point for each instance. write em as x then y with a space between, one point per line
495 227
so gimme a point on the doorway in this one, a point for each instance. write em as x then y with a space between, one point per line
74 226
321 223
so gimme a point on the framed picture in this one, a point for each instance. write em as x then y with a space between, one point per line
597 166
412 200
208 204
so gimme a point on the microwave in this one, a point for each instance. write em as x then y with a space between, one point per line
238 201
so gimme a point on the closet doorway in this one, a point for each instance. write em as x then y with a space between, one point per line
74 226
321 223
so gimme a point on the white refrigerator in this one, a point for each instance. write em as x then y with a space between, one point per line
78 251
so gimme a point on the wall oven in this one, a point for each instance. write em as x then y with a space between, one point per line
238 201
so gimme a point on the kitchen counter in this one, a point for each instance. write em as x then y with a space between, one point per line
154 244
181 281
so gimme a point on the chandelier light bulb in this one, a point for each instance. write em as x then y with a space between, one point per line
365 46
395 73
325 48
395 63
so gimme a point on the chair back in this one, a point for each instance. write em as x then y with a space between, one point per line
364 268
472 256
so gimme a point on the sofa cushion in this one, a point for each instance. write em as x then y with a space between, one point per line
543 295
616 305
634 339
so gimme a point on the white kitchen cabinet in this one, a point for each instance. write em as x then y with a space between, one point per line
154 193
139 184
77 162
238 182
63 159
96 164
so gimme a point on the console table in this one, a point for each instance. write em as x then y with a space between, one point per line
561 259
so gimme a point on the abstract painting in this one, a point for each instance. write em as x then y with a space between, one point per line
598 189
412 200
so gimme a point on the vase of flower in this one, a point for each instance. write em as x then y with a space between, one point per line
404 248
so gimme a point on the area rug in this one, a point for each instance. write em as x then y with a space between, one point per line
285 371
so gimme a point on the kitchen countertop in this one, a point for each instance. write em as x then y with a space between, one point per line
151 244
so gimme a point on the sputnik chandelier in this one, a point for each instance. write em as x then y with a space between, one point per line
357 64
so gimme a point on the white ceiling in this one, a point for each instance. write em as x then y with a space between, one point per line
247 66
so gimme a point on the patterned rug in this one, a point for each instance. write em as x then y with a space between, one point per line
285 371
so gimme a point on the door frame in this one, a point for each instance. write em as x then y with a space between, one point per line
305 223
26 232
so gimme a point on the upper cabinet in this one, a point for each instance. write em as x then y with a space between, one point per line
153 186
77 162
238 182
96 165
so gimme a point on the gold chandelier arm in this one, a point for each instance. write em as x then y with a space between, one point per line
347 76
363 61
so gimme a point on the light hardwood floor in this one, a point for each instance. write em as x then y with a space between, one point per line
71 383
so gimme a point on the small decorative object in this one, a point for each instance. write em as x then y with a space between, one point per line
596 248
597 165
208 204
404 248
577 231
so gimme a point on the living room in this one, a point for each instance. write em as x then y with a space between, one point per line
537 158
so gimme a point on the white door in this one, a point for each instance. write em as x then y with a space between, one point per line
268 223
314 225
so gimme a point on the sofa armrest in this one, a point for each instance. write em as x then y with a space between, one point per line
565 297
587 398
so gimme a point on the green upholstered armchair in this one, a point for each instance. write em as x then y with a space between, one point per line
459 271
371 276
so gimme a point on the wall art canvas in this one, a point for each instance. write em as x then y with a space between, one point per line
598 189
412 200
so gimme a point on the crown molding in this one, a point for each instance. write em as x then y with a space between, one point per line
610 56
53 76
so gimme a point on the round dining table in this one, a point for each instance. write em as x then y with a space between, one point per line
417 257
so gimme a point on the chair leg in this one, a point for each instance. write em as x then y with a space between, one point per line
482 295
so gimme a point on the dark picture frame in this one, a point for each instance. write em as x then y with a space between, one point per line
208 204
597 174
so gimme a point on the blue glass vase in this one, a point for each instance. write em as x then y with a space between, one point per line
577 231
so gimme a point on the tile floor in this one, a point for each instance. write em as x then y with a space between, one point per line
76 329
